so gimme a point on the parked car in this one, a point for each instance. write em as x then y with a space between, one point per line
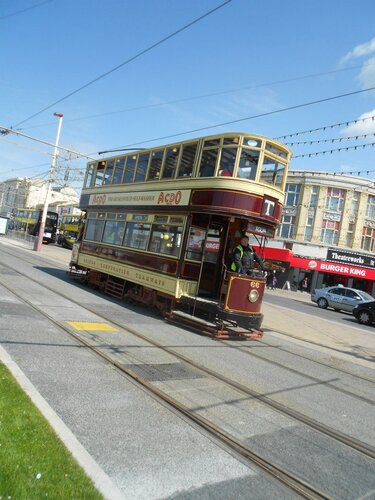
340 298
365 313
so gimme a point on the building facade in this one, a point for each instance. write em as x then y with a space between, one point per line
31 193
327 232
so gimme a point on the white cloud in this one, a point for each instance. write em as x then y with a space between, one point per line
363 125
359 51
367 74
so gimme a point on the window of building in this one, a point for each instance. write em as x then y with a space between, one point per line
185 168
292 195
370 208
335 199
119 170
140 174
208 162
286 228
137 235
354 204
350 235
313 203
170 163
309 228
165 239
155 165
368 239
248 165
330 232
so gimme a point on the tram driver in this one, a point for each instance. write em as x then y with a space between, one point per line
244 256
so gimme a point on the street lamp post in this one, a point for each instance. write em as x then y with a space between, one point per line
39 239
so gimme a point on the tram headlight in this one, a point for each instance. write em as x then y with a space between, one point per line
253 296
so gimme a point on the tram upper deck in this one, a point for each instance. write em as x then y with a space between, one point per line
167 176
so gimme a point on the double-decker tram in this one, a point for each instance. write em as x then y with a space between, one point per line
29 220
69 225
161 225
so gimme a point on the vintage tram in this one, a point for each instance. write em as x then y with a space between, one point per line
161 224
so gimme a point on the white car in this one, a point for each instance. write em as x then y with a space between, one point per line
340 298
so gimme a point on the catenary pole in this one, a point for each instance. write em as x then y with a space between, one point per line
39 239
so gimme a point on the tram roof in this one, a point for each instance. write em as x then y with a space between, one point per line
129 151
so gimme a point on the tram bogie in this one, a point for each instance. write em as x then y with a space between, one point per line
160 232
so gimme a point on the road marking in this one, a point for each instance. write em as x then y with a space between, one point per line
88 326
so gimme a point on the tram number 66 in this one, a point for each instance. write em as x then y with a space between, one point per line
254 284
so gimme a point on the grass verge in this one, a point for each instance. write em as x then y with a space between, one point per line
34 463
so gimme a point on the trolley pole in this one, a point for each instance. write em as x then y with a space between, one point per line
39 239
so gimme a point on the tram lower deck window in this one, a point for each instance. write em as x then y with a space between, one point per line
165 239
137 235
94 230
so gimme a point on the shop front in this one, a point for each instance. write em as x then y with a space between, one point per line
338 267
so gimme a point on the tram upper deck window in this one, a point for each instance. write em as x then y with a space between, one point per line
211 142
137 235
140 174
170 163
231 141
272 172
119 170
99 175
185 168
227 161
155 165
165 239
275 150
109 172
252 142
208 162
130 167
89 175
248 165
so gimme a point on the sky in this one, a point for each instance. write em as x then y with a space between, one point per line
145 73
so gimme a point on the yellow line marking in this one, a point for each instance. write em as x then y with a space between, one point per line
84 325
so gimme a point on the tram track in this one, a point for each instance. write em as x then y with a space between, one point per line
227 440
222 438
358 445
298 372
281 408
233 345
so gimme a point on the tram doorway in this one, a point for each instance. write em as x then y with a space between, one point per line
212 267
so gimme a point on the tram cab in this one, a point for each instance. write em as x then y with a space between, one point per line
227 303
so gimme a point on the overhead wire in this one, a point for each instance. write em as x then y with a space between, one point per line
202 96
332 140
330 151
325 127
124 63
252 117
24 10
